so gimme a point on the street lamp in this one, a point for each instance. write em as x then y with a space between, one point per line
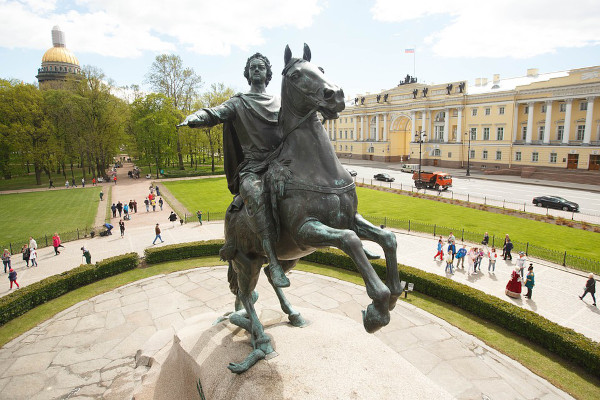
468 154
420 138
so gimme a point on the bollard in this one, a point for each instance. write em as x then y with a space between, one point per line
527 249
484 200
468 197
384 221
208 216
10 247
400 187
434 228
524 205
46 236
462 236
565 259
493 238
503 201
77 233
409 225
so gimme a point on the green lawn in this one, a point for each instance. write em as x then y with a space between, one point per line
27 181
43 213
212 195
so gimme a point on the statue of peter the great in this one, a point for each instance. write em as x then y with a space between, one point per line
250 134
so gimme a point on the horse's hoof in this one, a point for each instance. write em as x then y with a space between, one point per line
297 320
245 365
373 320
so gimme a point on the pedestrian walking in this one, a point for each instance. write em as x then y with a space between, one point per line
477 260
126 210
113 208
160 201
449 258
51 184
73 181
452 248
529 281
115 179
86 255
33 257
151 189
101 194
122 227
440 251
153 202
32 243
506 239
460 256
493 256
25 254
12 277
6 259
120 208
157 232
67 184
94 181
56 243
173 218
590 287
199 215
147 203
472 256
451 238
134 206
508 249
82 182
131 206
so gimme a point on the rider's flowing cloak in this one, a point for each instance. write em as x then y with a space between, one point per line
249 133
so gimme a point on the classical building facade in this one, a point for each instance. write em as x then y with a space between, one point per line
547 120
59 64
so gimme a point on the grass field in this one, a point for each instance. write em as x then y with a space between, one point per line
43 213
212 195
27 181
564 375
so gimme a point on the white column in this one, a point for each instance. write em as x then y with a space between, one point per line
376 127
355 129
446 125
334 131
529 123
567 131
515 128
548 123
459 131
327 129
413 128
362 127
385 129
427 126
587 135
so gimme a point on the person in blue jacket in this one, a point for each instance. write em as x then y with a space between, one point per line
109 228
460 256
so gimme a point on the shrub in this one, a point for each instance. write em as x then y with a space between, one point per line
562 341
23 300
155 255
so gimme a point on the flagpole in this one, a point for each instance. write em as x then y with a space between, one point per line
414 62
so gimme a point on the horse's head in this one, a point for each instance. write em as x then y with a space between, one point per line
305 87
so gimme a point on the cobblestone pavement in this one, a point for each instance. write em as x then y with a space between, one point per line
87 351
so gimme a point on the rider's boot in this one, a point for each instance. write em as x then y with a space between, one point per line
266 231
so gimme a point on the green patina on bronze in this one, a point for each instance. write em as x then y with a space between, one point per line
293 196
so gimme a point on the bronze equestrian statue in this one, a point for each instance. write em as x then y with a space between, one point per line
313 203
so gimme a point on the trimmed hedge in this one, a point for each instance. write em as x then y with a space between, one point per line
20 301
182 251
560 340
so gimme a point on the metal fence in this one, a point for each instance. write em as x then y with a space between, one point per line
45 240
490 201
532 250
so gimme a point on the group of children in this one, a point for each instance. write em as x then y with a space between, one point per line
150 200
474 256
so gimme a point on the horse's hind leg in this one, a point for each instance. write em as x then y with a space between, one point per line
248 272
294 316
316 234
387 240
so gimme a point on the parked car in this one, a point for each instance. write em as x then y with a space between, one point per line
555 202
409 168
351 172
384 177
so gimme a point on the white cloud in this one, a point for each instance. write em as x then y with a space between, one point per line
506 28
128 28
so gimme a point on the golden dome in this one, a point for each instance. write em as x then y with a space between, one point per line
60 54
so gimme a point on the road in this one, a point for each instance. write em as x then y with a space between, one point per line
498 193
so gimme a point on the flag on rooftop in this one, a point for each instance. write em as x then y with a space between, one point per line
407 51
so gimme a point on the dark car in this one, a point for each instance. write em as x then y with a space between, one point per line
555 202
384 177
351 172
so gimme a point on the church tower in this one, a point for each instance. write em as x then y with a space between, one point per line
59 64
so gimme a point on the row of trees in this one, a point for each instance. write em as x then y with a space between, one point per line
84 123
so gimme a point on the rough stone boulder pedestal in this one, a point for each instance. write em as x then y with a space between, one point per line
332 358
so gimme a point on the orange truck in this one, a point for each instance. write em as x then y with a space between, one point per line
432 180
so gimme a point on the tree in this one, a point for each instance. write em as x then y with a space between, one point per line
217 95
153 120
169 77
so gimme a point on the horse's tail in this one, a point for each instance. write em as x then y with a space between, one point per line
232 279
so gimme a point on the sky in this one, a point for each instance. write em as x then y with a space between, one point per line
360 44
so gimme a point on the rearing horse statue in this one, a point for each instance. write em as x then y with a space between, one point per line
315 205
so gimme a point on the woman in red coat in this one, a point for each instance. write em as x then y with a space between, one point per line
56 243
513 288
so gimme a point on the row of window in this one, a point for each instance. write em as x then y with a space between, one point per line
562 107
343 135
486 133
488 111
560 131
59 69
535 156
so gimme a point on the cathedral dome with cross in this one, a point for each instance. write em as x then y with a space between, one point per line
58 62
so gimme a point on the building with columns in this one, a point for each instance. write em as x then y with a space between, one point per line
542 120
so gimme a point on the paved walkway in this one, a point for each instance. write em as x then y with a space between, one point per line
87 351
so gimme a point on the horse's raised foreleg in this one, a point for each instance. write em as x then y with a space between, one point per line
387 240
294 316
316 234
248 272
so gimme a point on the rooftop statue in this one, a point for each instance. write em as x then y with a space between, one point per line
312 200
